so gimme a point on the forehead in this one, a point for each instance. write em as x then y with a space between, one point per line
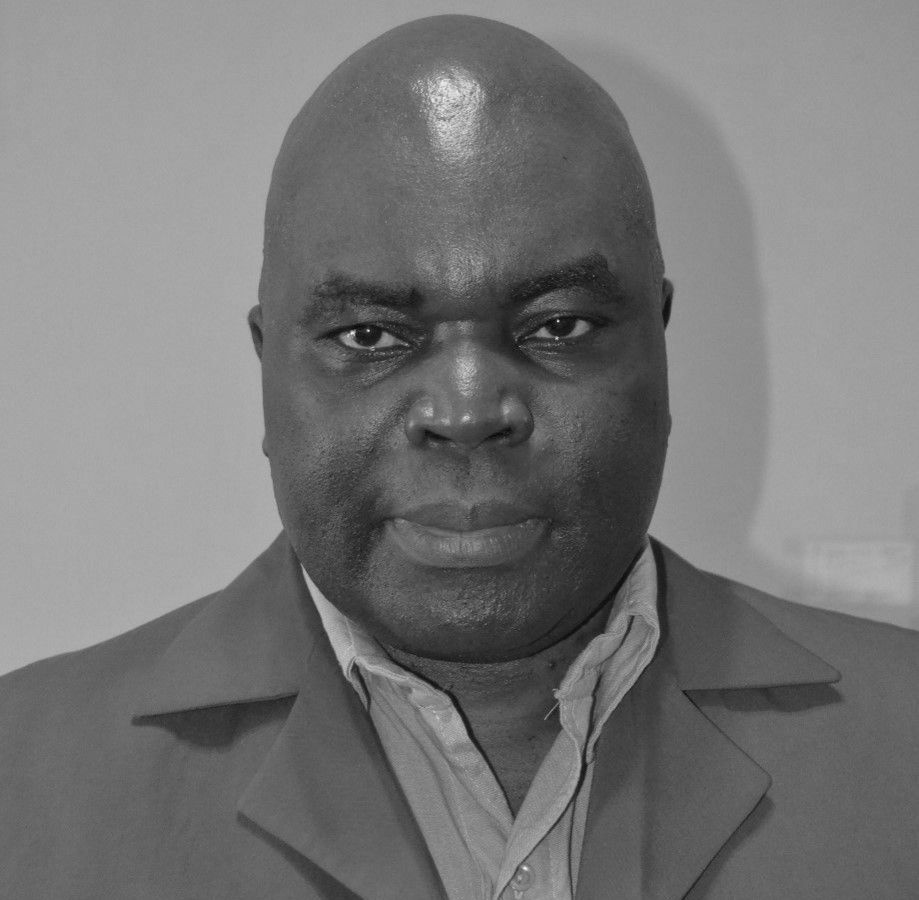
456 183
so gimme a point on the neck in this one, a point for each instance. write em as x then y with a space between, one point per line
507 706
522 685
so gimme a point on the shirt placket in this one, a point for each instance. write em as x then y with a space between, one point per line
539 874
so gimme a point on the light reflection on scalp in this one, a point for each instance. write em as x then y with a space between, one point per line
452 105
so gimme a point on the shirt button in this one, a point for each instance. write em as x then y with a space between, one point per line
523 878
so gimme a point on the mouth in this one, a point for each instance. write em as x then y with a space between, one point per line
451 548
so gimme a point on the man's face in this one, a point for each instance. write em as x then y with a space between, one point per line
465 385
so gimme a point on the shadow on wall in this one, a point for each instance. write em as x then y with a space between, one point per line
719 378
716 339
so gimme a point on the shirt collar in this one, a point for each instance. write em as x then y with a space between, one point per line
637 596
349 641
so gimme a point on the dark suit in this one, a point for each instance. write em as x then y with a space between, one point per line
217 752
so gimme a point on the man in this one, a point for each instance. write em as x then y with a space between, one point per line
463 670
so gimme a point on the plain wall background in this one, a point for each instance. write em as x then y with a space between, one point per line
781 140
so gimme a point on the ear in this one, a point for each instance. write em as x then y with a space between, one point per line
666 299
255 328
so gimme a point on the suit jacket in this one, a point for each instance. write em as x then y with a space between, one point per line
218 752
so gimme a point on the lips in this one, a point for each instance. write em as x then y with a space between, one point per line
467 516
448 535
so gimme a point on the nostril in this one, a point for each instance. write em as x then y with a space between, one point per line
468 424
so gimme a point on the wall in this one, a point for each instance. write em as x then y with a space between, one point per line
137 140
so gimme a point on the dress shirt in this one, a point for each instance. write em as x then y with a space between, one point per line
481 851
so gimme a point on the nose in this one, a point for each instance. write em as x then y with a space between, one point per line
466 401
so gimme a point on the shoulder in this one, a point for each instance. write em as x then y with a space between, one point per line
875 714
824 703
130 650
86 768
877 651
837 637
869 669
67 752
74 693
865 724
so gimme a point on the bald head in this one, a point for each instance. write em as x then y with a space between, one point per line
461 334
455 99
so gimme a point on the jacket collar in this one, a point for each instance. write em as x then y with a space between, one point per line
715 640
253 640
327 792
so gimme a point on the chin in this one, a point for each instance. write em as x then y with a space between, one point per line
475 615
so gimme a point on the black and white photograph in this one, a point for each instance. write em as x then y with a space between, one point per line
459 451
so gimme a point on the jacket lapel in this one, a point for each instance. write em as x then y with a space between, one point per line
611 855
324 789
669 787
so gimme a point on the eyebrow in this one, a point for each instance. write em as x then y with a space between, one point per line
591 271
588 271
337 288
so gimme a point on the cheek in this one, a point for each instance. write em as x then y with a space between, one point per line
321 450
617 445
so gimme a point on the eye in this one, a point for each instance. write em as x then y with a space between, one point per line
561 328
368 337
